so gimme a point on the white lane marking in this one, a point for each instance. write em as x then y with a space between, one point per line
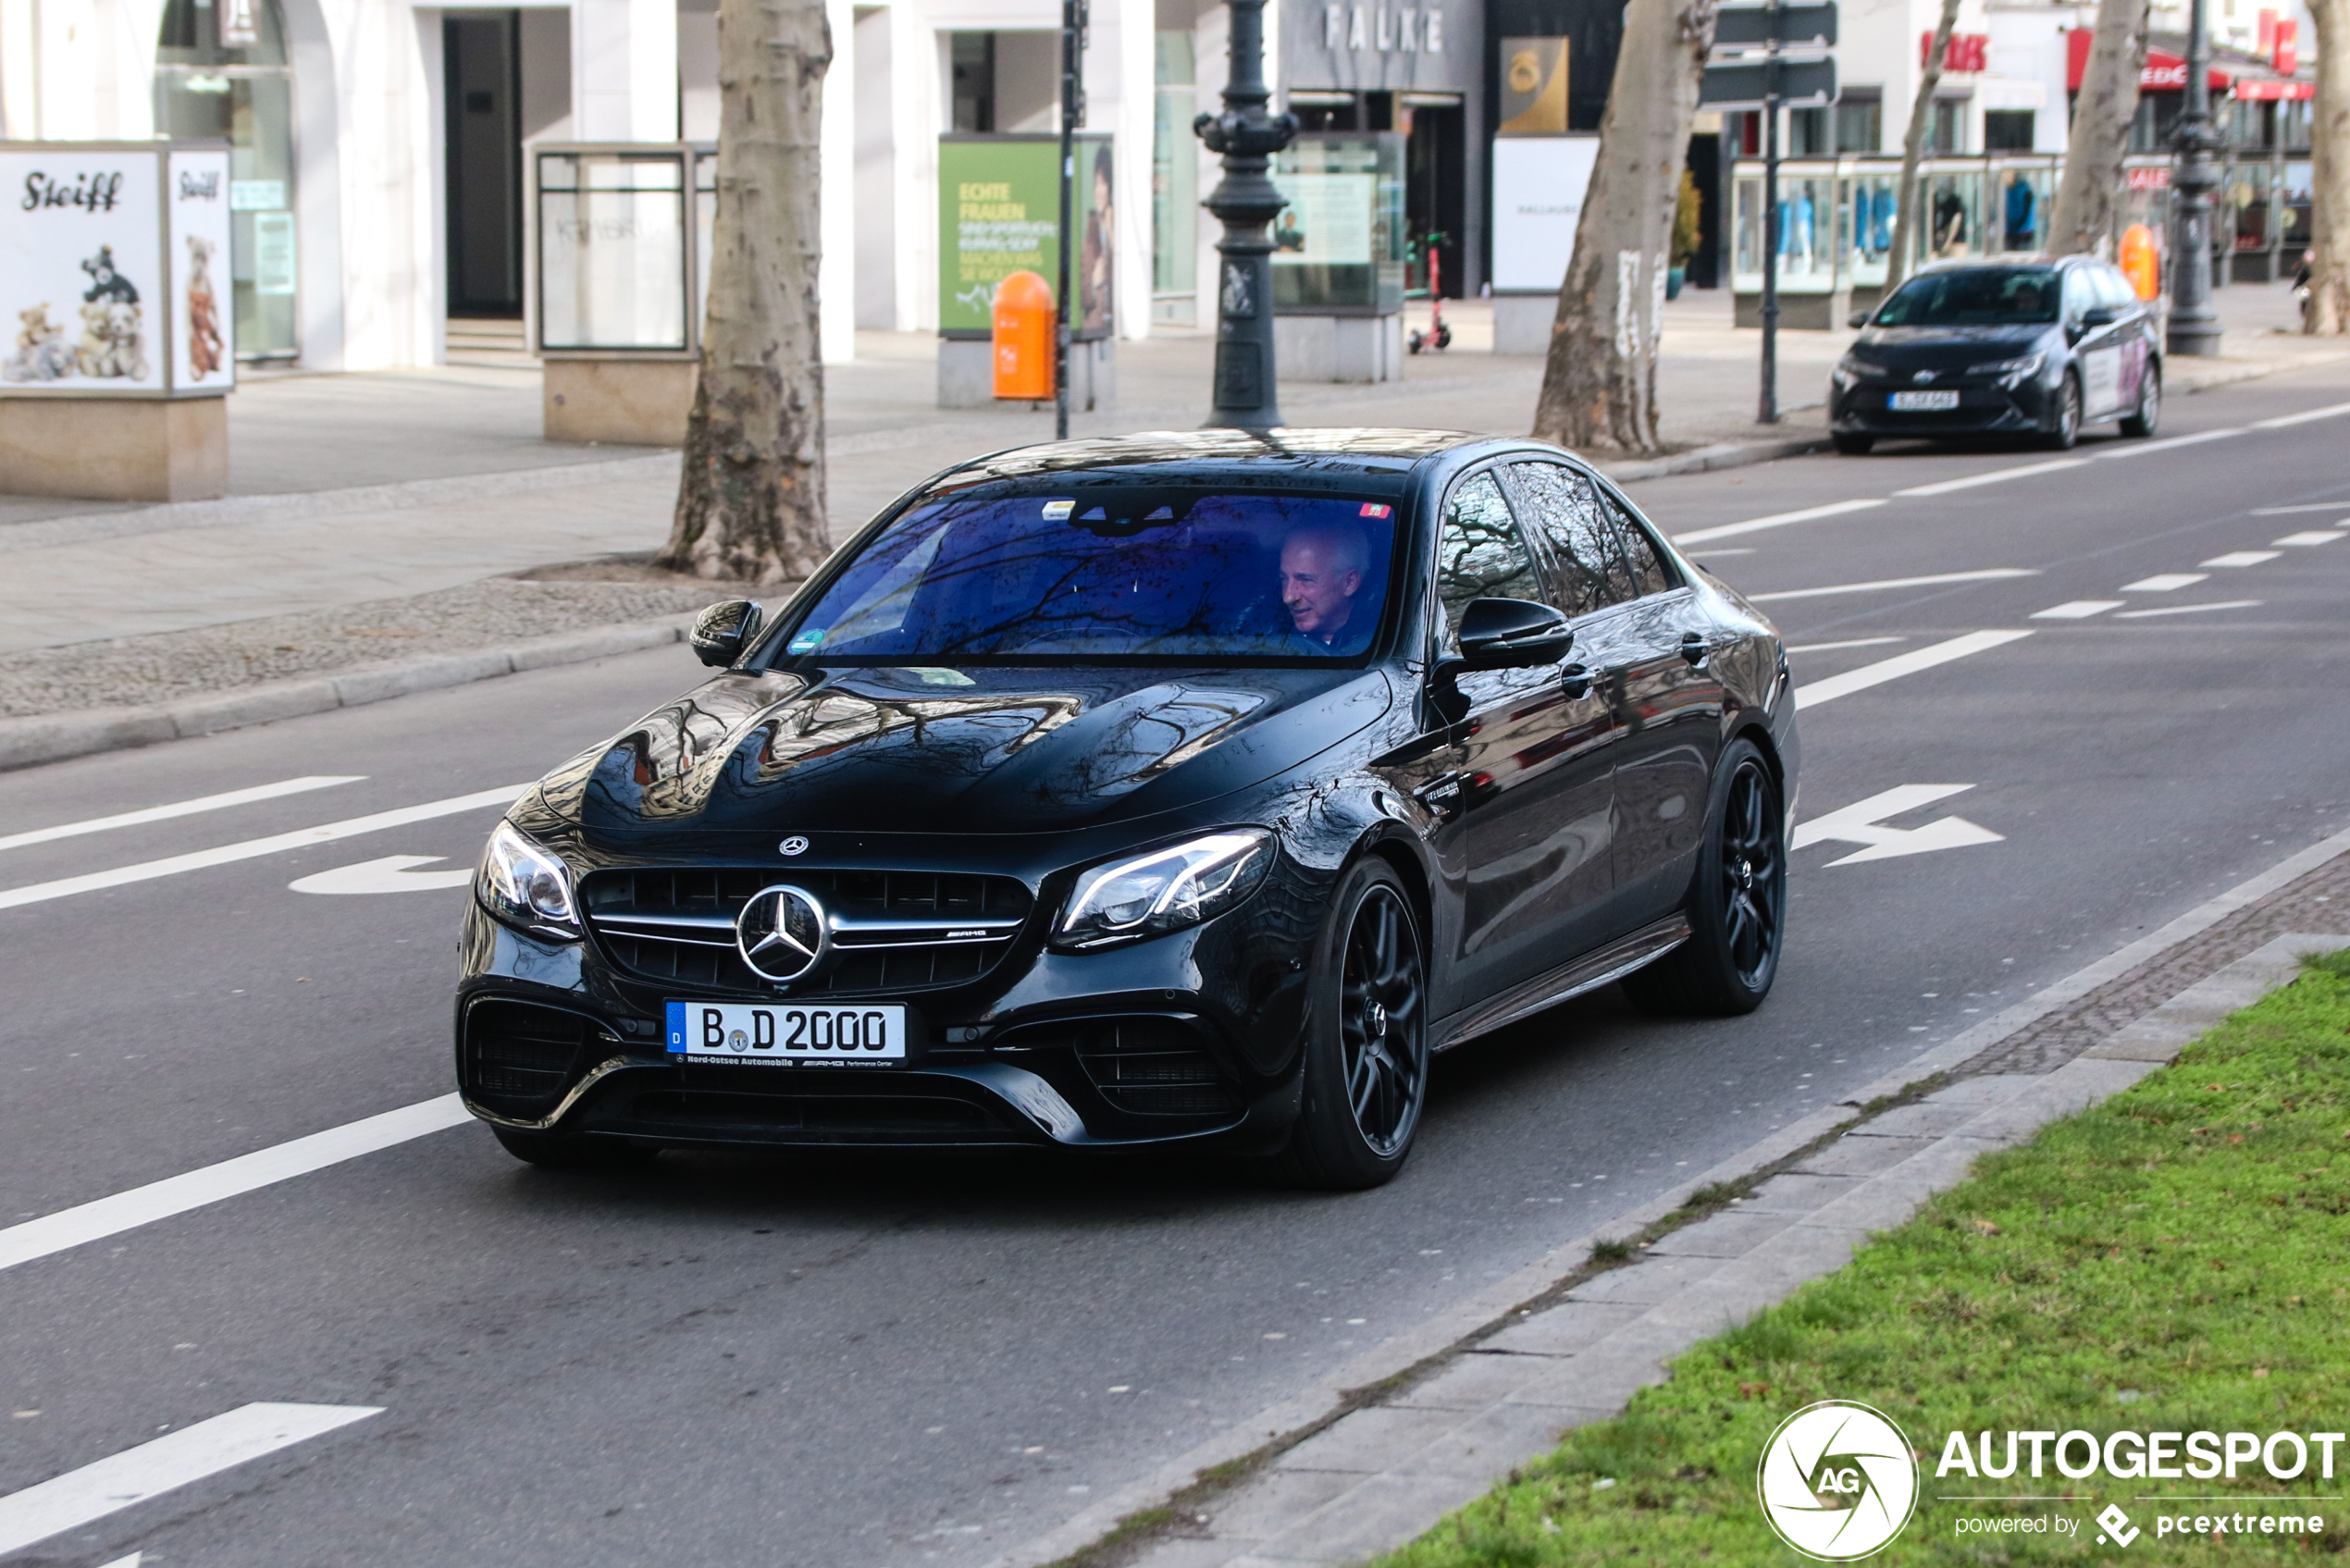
2279 422
131 1561
390 874
1900 664
1992 575
1999 477
1777 520
180 808
1863 822
2308 506
128 1210
237 1437
2240 558
2314 537
147 871
2164 582
1852 642
1711 554
2078 609
2139 448
2188 609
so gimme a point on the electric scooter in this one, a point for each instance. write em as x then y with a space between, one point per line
1437 335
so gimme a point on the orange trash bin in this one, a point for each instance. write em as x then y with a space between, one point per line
2140 262
1022 334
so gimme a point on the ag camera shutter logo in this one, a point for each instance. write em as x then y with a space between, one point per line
1837 1481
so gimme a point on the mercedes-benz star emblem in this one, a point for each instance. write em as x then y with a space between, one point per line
795 845
782 933
1924 375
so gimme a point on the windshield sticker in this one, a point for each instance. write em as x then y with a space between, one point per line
1058 511
805 642
1376 509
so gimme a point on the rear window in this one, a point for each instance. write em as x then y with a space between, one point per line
1110 575
1975 296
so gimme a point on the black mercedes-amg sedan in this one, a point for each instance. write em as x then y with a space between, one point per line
1188 787
2013 346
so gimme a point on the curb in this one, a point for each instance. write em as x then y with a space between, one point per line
1706 460
1325 1402
53 737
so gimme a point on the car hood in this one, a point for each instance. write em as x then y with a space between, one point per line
935 750
1945 348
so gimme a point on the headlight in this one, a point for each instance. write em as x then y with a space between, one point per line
1166 890
2012 373
524 885
1849 372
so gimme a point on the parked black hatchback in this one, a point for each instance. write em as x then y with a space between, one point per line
2015 346
1186 788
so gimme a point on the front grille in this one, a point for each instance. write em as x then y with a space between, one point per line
1155 1068
521 1058
891 931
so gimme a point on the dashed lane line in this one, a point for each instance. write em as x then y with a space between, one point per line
2306 506
1900 664
2314 537
2078 609
1997 476
147 871
2188 609
177 1459
2165 581
1990 574
1777 520
181 809
2283 421
2235 558
1849 642
2141 449
112 1216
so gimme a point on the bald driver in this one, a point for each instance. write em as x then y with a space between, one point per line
1322 567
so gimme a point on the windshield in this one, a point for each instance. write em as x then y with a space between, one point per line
1975 296
1102 574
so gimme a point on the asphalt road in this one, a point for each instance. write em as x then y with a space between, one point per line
842 1360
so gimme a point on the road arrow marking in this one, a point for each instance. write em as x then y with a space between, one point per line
390 874
1863 822
81 1497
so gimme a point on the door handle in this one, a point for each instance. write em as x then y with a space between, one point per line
1696 649
1575 680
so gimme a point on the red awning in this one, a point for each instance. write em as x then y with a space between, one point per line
2164 72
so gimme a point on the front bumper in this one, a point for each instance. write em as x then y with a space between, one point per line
1986 408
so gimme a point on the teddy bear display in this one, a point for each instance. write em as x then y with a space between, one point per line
203 310
42 353
113 344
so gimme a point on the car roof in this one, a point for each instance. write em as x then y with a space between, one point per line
2017 259
1359 449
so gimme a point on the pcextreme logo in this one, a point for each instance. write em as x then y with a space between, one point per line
1837 1481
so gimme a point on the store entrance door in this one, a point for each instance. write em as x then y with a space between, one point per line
483 82
1435 190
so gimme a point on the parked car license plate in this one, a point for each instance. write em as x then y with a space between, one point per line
786 1035
1923 402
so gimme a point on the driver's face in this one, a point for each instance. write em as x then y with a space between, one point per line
1317 588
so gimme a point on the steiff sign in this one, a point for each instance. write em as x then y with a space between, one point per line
114 262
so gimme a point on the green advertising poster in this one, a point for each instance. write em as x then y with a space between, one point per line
999 213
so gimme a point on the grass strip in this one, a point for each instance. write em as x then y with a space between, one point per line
2176 1258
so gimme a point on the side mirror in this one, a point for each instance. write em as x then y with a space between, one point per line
1503 633
722 632
2099 315
1860 318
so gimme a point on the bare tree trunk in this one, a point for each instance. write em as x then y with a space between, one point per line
2089 206
1599 385
1905 208
750 503
2328 310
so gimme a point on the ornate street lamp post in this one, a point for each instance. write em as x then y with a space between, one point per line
1246 201
2194 325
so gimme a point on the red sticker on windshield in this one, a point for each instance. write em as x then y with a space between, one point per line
1374 509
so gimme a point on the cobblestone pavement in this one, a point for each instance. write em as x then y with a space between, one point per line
131 670
2318 901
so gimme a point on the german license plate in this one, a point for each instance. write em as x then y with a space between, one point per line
764 1034
1924 402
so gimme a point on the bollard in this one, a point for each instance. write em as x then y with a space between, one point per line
1022 334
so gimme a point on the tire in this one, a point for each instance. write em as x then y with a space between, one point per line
1852 444
2067 427
557 1151
2150 415
1737 905
1365 1038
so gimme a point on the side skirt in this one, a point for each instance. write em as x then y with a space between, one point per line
1571 978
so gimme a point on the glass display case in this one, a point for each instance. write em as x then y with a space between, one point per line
2023 194
619 267
1338 242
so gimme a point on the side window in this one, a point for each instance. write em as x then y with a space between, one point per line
1572 521
2078 294
2114 290
1649 572
1479 552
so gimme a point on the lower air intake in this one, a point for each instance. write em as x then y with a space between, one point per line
1154 1066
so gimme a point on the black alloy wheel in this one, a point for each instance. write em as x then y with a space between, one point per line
560 1151
2149 414
1365 1038
1737 905
2068 424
